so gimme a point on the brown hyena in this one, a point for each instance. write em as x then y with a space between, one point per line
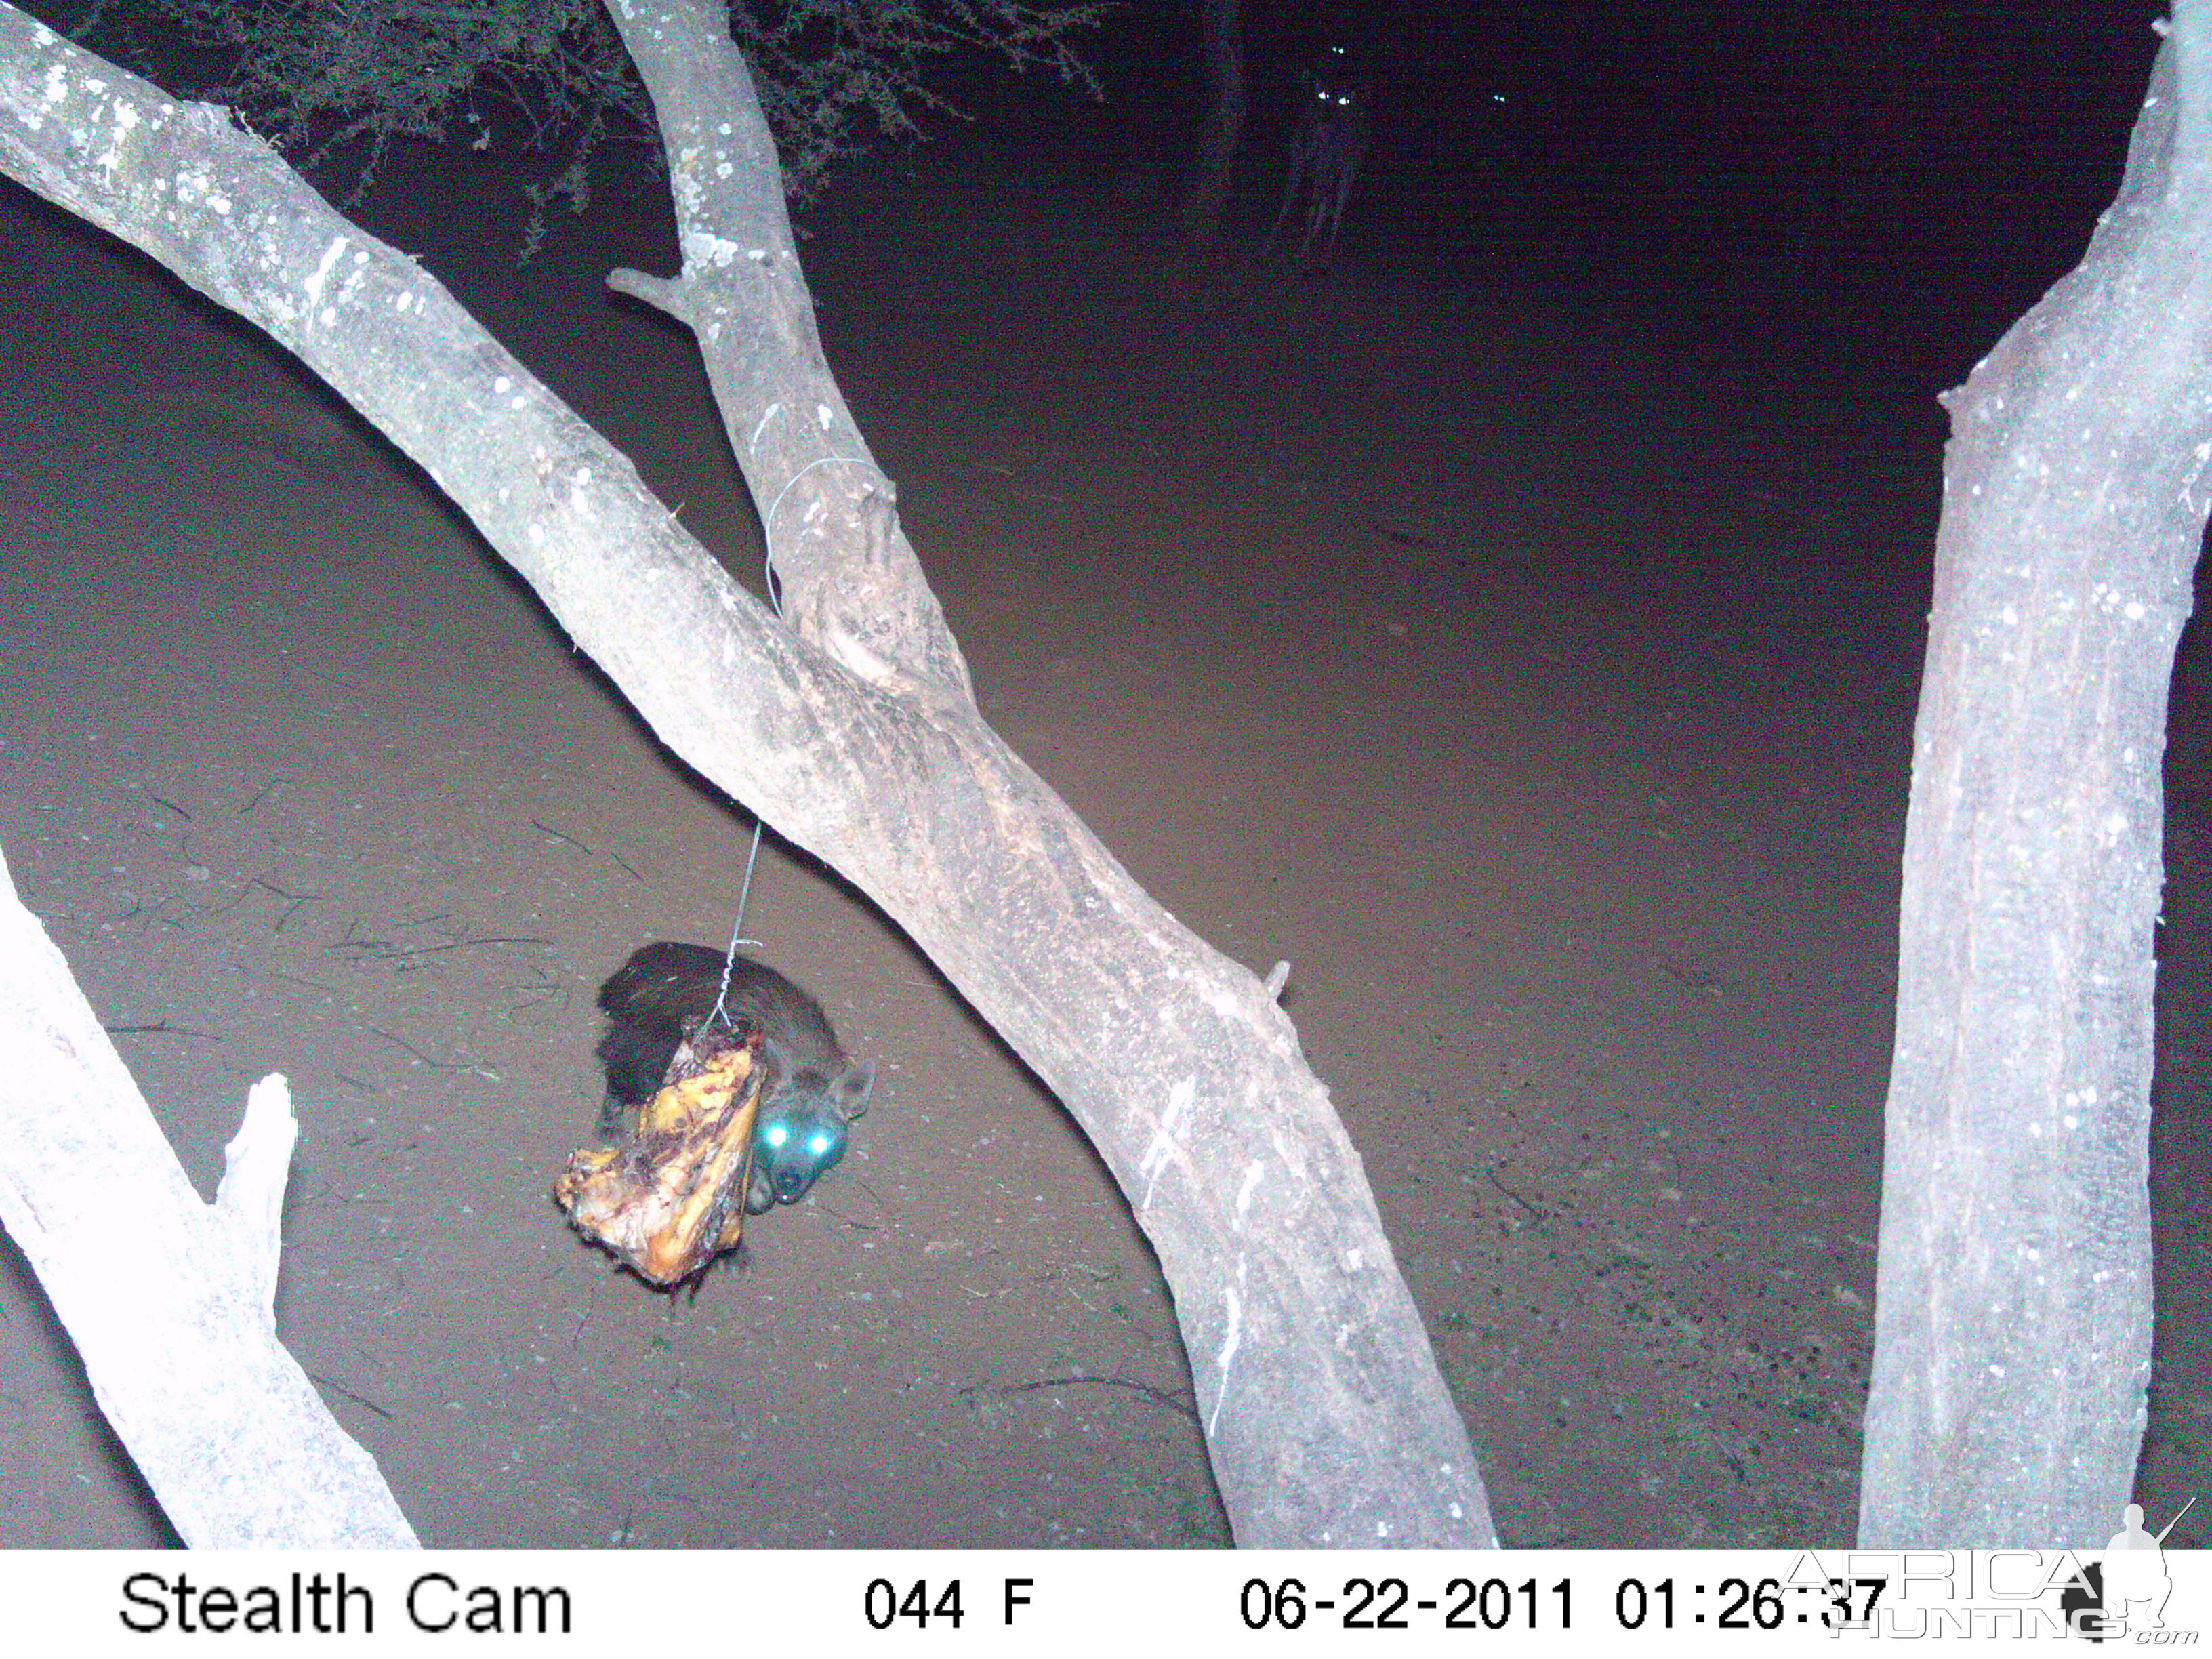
812 1093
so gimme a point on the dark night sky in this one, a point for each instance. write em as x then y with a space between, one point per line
1950 157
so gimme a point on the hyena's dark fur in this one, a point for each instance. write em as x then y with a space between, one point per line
812 1093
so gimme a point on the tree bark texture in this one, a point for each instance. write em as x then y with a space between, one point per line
2013 1317
850 730
169 1301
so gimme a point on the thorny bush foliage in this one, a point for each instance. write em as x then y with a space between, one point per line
324 76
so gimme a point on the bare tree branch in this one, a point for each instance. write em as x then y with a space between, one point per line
852 734
169 1301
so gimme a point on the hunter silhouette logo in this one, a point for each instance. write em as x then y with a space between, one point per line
2125 1593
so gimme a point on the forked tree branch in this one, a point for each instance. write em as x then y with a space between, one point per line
169 1301
851 731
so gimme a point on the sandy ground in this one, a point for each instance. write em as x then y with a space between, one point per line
1532 665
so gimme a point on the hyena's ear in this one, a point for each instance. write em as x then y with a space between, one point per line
852 1089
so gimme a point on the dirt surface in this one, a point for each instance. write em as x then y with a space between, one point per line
1528 660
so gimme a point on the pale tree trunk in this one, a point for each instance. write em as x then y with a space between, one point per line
2012 1334
850 727
171 1302
1223 128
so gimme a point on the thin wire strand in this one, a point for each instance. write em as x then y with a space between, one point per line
737 933
767 523
776 600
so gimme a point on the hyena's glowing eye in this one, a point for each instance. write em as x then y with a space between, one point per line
777 1134
819 1144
